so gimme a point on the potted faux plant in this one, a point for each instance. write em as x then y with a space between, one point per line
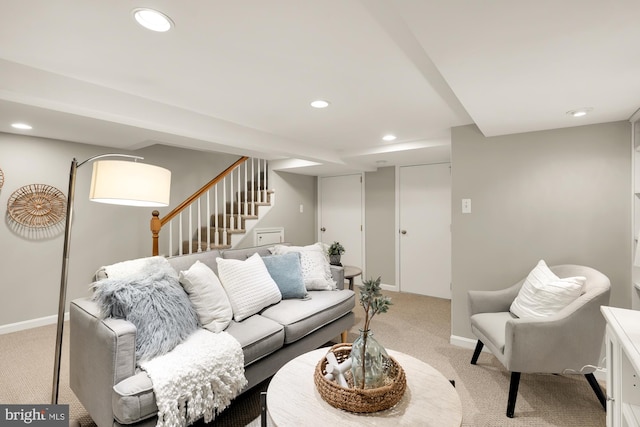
367 355
335 250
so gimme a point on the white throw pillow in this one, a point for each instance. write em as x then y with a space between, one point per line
249 285
316 272
136 267
207 296
543 293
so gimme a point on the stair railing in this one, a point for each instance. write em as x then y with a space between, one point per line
226 219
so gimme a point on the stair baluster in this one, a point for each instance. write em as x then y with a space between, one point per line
231 218
180 233
238 204
215 215
265 184
224 211
246 185
208 219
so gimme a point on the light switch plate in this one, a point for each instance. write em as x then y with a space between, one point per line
466 206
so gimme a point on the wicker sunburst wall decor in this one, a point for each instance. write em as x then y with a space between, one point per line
37 206
1 178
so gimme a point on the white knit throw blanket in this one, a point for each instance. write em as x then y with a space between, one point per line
199 377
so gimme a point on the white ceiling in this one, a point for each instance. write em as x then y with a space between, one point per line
238 76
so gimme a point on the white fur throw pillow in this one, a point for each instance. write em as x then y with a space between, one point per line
207 296
249 285
543 293
316 272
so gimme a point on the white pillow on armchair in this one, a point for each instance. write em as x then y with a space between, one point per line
543 293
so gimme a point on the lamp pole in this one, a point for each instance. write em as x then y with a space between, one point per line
65 265
63 281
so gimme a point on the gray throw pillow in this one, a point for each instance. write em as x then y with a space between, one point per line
156 304
287 273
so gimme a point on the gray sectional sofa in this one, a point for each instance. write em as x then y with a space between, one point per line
103 372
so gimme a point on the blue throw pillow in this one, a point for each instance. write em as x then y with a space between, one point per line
287 273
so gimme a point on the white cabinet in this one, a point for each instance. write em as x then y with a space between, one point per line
623 366
268 236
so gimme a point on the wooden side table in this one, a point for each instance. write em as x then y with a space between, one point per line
350 272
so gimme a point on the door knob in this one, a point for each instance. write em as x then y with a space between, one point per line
323 229
403 231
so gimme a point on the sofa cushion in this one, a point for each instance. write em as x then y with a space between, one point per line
249 285
286 272
207 296
258 337
301 317
133 399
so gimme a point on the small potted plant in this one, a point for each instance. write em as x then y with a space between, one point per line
367 355
335 250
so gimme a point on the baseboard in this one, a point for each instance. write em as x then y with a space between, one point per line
30 324
600 374
464 342
392 288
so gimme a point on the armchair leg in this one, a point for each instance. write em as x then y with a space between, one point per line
477 351
513 393
596 389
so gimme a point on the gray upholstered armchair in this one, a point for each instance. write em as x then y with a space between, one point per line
567 342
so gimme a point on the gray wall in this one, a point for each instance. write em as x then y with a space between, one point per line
103 234
560 195
380 220
291 191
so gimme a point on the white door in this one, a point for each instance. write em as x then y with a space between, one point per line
425 229
341 216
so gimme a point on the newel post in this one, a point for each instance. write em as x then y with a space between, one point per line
156 225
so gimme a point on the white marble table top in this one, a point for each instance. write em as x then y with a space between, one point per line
429 400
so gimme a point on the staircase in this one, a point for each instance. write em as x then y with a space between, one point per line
220 214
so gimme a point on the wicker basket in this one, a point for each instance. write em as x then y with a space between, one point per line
356 399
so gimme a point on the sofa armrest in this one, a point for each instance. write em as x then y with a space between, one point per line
337 274
102 353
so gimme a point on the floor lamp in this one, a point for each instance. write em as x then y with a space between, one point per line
115 182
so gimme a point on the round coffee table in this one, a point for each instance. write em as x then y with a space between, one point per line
429 400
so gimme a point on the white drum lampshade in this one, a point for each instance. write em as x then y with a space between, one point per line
130 183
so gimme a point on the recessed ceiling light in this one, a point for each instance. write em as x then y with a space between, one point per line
320 103
389 137
580 112
152 19
22 126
